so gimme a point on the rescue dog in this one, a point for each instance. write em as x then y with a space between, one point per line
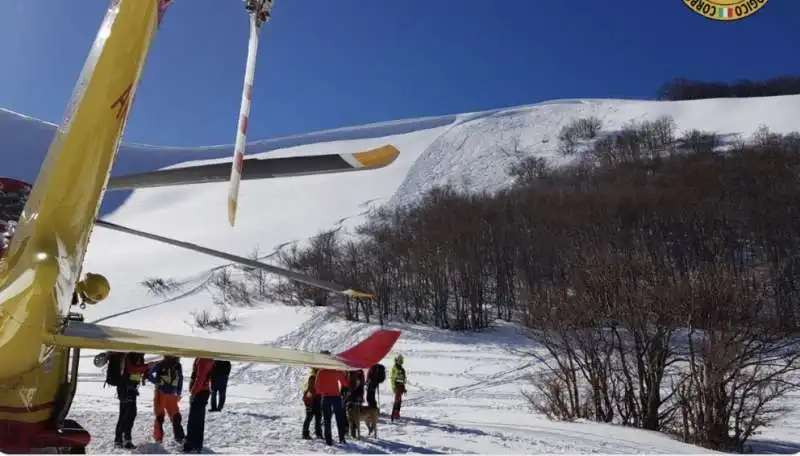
356 414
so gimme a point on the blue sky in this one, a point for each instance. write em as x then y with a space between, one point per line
330 63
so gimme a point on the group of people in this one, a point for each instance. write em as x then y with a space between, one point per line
329 394
127 371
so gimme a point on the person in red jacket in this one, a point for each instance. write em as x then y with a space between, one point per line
328 385
199 390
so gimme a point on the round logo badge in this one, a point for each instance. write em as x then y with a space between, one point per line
725 10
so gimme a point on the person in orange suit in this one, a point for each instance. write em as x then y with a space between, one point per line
328 385
167 376
199 390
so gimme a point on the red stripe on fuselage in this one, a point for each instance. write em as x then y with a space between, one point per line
31 409
19 437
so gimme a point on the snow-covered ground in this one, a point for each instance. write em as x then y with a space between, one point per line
464 397
464 393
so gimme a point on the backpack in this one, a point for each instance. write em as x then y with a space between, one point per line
377 373
114 368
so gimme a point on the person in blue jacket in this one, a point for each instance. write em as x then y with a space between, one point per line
167 376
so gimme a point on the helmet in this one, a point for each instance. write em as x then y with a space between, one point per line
94 288
398 359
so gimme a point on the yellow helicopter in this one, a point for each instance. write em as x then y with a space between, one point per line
40 333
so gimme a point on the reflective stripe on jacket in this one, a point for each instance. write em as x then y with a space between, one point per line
167 377
398 374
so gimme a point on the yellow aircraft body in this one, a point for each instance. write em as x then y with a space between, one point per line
40 337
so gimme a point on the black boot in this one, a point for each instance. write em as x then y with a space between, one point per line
177 428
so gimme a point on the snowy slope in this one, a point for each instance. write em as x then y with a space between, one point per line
463 397
465 389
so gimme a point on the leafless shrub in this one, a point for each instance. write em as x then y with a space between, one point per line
572 134
556 395
317 260
636 143
231 291
257 276
529 169
157 286
208 320
699 142
763 137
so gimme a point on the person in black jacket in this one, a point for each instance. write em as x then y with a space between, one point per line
219 384
133 370
375 376
313 403
355 394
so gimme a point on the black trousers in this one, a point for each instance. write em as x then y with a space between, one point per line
218 390
371 388
313 412
196 425
127 415
332 405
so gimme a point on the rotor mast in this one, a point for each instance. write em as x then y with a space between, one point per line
262 9
260 12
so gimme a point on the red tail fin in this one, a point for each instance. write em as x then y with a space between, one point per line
371 350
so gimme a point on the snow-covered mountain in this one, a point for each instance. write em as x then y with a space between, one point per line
464 393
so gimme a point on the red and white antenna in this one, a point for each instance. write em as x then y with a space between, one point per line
259 12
